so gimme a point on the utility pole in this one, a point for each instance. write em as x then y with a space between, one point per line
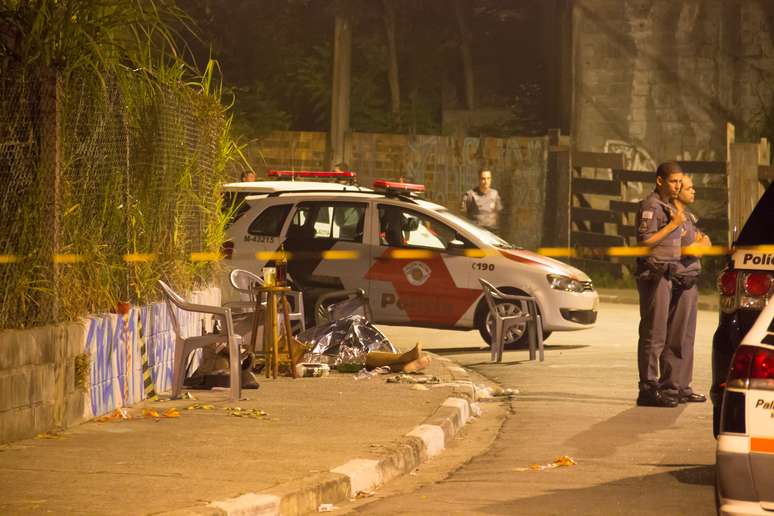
342 64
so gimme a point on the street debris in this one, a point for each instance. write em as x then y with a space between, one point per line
326 507
200 406
365 374
310 370
559 462
118 414
49 435
412 378
153 413
187 396
475 409
486 392
249 413
419 387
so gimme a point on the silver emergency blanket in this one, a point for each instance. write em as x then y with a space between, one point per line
344 341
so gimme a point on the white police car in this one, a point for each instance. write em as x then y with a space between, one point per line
418 262
745 449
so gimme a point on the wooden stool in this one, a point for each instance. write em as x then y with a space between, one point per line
276 345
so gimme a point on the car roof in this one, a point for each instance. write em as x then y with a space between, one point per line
759 228
267 187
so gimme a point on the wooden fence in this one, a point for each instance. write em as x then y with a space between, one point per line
589 205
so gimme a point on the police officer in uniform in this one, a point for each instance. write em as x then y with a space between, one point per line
682 311
483 204
658 228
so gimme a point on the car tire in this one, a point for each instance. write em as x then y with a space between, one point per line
521 340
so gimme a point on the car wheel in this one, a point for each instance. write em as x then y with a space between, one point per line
517 336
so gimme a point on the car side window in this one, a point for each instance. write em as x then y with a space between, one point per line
270 221
339 221
399 227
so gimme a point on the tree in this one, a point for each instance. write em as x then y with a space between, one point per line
392 59
462 12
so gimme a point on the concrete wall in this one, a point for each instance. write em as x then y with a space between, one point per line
658 79
38 379
447 166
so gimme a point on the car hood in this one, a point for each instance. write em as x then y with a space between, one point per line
549 265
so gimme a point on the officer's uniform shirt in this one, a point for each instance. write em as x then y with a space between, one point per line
689 265
482 208
653 215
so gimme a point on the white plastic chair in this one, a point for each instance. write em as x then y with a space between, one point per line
335 305
242 281
528 316
184 346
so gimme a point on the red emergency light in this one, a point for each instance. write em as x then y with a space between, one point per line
312 173
398 187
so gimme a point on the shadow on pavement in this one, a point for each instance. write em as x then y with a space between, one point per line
458 350
625 428
632 495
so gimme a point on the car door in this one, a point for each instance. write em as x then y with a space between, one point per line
326 242
419 273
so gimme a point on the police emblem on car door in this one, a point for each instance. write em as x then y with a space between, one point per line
414 277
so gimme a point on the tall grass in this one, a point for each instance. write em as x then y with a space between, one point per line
144 146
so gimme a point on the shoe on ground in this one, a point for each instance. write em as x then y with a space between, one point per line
692 398
654 398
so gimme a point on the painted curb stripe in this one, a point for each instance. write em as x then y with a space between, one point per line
364 474
249 504
147 380
432 436
462 407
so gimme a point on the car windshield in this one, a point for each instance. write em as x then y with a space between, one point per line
486 236
759 228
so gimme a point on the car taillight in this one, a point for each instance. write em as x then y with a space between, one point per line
753 364
227 249
740 367
727 283
757 284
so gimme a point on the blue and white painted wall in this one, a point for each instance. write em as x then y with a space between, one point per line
38 391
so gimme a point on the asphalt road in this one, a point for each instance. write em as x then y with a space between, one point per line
579 403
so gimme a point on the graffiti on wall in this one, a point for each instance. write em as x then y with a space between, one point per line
113 343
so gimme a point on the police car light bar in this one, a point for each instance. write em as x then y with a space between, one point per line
397 186
312 173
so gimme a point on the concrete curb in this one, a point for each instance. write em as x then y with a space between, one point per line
359 475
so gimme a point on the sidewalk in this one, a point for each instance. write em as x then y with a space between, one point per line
199 462
630 296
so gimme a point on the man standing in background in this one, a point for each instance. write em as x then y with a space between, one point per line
483 204
682 310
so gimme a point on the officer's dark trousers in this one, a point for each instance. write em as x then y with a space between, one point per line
655 296
681 332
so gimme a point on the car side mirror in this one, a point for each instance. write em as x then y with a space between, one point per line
456 245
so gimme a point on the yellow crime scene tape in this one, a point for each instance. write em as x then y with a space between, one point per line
410 254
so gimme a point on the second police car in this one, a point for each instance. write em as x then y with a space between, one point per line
418 262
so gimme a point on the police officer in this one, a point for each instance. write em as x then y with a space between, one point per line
682 311
658 228
483 204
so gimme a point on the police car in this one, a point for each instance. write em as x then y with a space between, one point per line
745 448
418 262
745 286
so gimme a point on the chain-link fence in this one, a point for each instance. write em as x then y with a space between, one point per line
105 188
